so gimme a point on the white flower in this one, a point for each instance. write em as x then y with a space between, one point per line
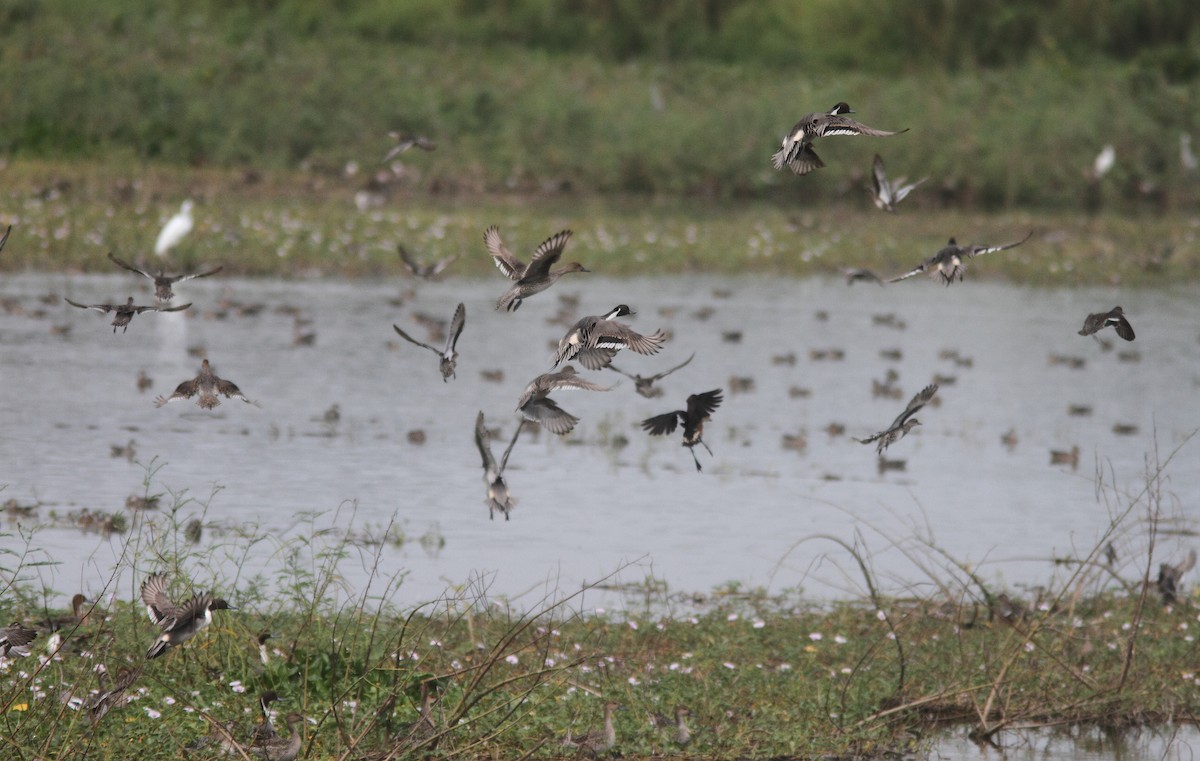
634 681
511 659
728 665
152 713
169 700
759 623
732 617
237 686
840 639
815 636
633 625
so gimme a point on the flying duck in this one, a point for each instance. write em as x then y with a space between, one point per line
449 355
797 152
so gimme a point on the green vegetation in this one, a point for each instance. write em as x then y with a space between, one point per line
1007 104
763 676
71 216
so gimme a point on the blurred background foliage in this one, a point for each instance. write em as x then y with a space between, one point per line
1008 101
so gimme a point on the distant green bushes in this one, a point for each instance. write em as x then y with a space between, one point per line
1005 107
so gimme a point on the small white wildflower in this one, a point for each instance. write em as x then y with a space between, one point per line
634 681
785 667
169 700
633 625
660 626
673 667
686 655
693 620
880 615
1126 627
237 686
732 617
847 670
550 662
600 610
840 639
152 713
728 665
435 643
815 636
511 659
759 623
1029 647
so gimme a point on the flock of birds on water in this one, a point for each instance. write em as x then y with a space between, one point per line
593 341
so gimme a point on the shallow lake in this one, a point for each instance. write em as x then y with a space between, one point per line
587 504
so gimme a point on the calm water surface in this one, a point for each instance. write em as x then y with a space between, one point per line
586 503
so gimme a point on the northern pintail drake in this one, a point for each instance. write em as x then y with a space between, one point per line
449 355
536 405
425 271
179 623
283 748
903 423
403 141
888 193
4 240
15 638
208 386
949 262
174 230
1101 320
125 312
597 741
265 732
534 277
797 152
163 283
596 339
498 495
644 384
700 408
1170 577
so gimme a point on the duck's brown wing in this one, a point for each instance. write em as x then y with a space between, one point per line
481 441
977 250
609 334
701 406
16 635
231 391
920 400
844 125
154 596
128 266
140 309
510 265
98 307
185 390
661 425
552 417
409 262
185 278
547 254
456 327
595 359
665 373
412 340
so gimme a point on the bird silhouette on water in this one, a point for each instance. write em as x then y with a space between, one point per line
796 151
903 423
700 408
162 283
531 278
124 313
498 495
449 354
1100 320
950 263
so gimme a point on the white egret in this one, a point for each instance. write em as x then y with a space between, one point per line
174 230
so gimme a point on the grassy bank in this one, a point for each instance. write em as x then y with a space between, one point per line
69 216
292 86
762 676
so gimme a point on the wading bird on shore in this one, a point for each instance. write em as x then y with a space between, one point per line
1114 317
531 278
208 386
596 339
536 405
163 283
174 231
448 357
903 423
700 408
796 151
498 495
124 312
949 262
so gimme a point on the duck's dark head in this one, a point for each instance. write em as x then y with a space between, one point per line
621 310
841 108
220 604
